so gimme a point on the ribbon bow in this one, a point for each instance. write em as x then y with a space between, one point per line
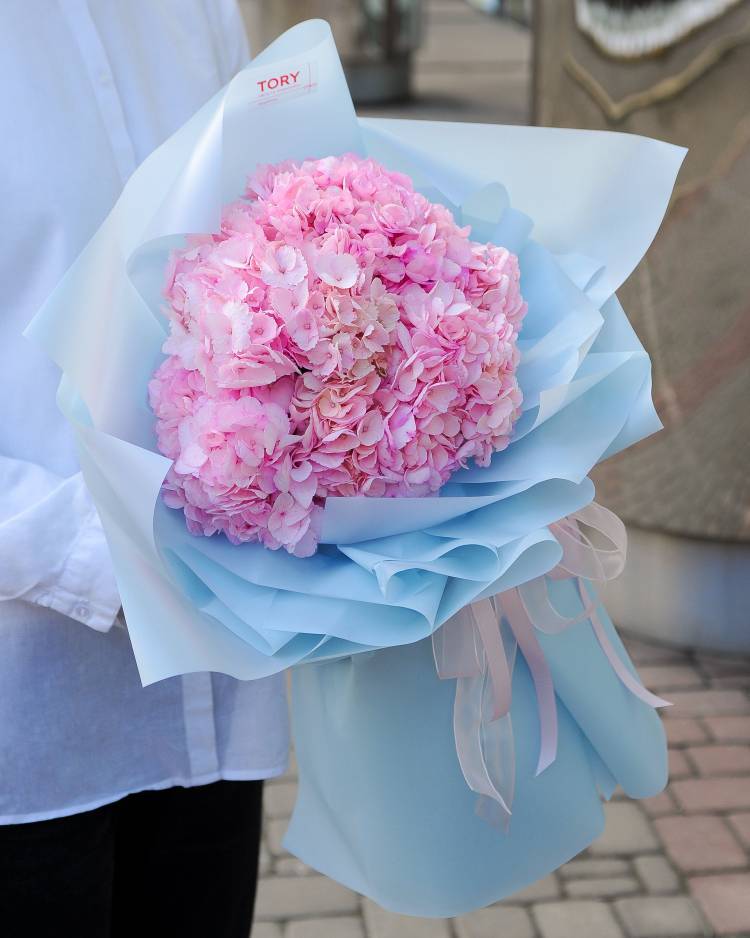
478 648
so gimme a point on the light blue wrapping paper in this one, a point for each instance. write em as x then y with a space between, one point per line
579 208
391 815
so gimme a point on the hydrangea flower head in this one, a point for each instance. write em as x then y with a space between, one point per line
340 336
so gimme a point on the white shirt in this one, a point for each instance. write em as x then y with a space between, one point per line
90 87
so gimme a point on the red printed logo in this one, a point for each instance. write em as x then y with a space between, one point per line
283 81
288 83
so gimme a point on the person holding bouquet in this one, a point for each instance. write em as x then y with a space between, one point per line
390 367
123 809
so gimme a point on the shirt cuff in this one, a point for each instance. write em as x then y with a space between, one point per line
86 589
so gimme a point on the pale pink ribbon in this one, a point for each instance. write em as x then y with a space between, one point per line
477 647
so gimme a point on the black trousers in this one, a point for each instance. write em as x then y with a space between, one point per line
181 862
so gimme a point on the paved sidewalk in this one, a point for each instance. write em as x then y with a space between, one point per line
674 866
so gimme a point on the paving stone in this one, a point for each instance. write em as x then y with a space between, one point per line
601 888
730 681
741 681
712 794
725 901
662 678
721 667
278 800
741 825
663 803
383 924
286 897
547 888
657 874
627 831
583 869
645 653
291 866
660 917
498 920
266 930
729 729
679 767
569 919
720 760
700 843
264 859
684 731
275 831
705 703
344 927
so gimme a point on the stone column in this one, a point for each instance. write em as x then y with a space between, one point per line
684 493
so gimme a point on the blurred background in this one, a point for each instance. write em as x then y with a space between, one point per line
676 865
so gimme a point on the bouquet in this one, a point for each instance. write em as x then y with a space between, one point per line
358 445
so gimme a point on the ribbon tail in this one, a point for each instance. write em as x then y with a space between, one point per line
523 629
485 749
455 647
474 648
487 623
498 748
536 601
618 665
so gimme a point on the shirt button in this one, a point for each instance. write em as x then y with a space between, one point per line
103 78
82 611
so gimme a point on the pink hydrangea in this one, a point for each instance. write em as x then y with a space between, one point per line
341 335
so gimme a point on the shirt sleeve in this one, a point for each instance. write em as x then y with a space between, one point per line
53 547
